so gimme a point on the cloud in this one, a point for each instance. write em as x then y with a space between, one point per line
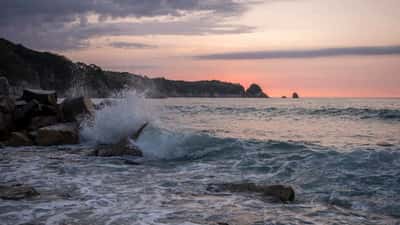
308 53
130 45
68 24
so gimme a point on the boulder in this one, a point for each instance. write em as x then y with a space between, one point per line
6 125
4 86
17 192
24 111
295 95
74 109
124 147
255 91
18 139
42 96
7 104
282 192
42 121
59 134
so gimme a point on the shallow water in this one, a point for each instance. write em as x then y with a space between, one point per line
341 155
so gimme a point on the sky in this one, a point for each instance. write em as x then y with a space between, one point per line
319 48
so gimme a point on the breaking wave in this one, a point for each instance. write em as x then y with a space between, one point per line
118 118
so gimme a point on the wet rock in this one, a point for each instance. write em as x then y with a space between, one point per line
124 147
74 109
7 104
18 139
42 96
137 134
17 192
281 192
24 112
384 144
59 134
295 95
42 121
255 91
4 86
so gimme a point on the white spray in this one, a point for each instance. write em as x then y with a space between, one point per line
118 120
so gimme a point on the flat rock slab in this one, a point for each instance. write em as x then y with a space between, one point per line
282 192
42 96
59 134
17 192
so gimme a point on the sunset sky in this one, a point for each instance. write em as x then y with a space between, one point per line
320 48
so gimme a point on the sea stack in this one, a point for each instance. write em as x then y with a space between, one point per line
295 95
255 91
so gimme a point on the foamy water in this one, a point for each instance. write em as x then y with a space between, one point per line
341 155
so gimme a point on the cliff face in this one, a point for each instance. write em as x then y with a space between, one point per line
24 67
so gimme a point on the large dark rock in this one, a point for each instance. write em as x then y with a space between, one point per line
282 192
7 106
18 139
295 95
255 91
4 86
24 111
17 192
42 121
6 125
75 109
42 96
59 134
123 148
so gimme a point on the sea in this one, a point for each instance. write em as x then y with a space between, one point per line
341 155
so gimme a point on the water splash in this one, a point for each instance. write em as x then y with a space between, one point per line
119 119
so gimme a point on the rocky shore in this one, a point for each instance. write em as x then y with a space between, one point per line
36 118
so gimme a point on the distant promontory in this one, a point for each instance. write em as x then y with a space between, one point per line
26 68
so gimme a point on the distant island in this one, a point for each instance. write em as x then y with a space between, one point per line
27 68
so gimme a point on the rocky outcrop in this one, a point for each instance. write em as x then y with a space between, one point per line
18 139
17 192
7 106
76 109
255 91
282 192
36 119
124 147
295 95
59 134
4 86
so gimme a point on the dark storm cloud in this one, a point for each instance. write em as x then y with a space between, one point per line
130 45
63 24
311 53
